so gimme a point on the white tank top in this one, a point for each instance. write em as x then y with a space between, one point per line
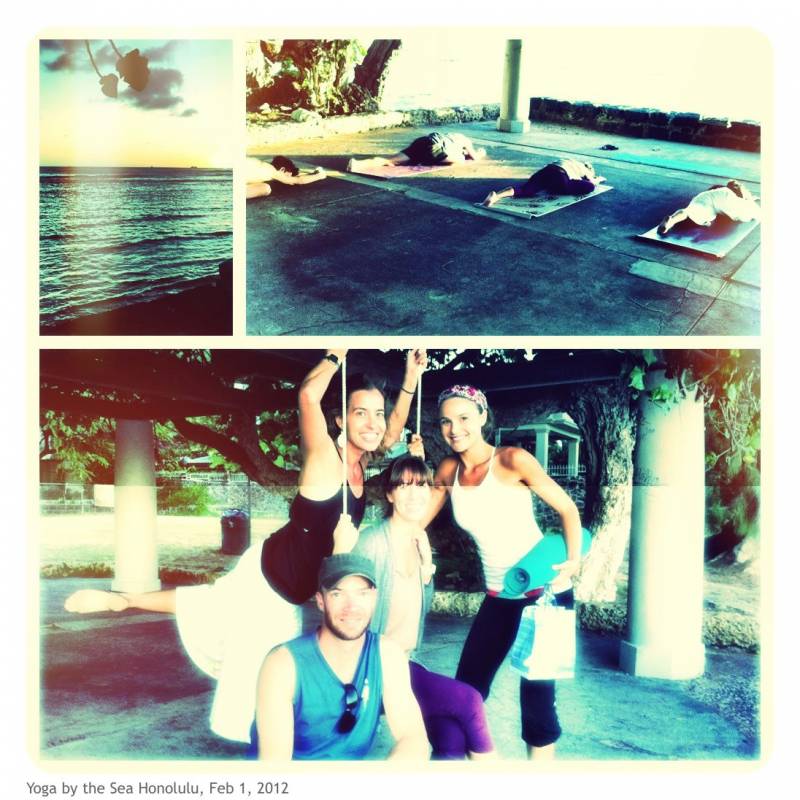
705 207
499 517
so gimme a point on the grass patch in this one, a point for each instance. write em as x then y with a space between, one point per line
167 575
64 570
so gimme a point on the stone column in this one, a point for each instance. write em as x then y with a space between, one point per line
665 592
514 102
542 445
135 556
573 448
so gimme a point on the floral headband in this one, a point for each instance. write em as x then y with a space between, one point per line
468 393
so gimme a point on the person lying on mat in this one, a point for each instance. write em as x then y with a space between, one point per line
283 170
733 201
566 176
432 150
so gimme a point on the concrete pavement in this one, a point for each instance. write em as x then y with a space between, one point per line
356 255
119 686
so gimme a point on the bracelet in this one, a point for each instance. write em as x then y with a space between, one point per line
333 358
403 389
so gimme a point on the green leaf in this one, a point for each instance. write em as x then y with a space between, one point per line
636 378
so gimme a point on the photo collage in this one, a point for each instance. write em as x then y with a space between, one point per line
273 522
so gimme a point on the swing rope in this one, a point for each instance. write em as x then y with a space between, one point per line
344 434
91 58
419 403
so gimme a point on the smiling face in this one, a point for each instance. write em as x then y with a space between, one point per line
347 607
409 498
460 422
366 420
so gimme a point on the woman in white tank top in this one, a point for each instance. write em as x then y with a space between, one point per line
490 489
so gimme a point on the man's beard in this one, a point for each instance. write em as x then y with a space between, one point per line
339 633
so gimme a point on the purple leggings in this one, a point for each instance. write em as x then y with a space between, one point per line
455 720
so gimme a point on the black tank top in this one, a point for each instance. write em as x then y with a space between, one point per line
291 557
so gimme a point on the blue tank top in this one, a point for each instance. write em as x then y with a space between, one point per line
319 701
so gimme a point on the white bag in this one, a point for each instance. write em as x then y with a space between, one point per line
545 645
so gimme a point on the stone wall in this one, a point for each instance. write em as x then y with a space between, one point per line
650 123
575 487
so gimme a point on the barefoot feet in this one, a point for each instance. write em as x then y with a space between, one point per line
90 601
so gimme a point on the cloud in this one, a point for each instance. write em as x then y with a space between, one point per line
71 55
163 86
163 53
160 92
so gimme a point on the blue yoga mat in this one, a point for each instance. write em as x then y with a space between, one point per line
535 568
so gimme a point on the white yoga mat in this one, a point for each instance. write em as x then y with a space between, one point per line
718 239
541 203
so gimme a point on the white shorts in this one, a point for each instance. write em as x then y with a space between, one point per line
227 628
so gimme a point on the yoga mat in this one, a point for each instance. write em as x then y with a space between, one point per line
535 569
397 171
718 239
541 203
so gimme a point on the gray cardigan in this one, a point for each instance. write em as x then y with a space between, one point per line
373 542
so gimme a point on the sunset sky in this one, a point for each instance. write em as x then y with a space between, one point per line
185 116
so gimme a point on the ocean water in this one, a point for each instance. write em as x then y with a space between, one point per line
110 237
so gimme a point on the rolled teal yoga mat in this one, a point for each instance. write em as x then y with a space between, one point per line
535 568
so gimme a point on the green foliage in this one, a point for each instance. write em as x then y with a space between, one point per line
280 438
96 569
194 356
729 382
636 378
190 499
81 447
315 74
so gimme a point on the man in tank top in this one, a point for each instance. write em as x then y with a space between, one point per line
320 695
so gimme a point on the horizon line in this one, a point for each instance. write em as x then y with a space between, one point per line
124 166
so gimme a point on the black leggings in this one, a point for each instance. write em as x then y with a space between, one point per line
488 642
555 180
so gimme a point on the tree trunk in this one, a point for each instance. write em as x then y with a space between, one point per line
370 75
607 421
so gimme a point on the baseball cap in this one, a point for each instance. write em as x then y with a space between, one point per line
339 566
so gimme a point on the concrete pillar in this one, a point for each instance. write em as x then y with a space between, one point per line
542 446
573 448
135 556
665 590
514 102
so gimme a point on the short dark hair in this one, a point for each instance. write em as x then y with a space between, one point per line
281 162
357 382
735 187
395 474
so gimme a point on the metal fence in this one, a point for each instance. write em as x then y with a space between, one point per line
65 498
563 471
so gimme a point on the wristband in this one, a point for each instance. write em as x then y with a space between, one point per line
403 389
333 358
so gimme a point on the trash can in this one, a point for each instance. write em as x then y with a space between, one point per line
235 531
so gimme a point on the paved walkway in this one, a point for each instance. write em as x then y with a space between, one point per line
356 255
119 686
